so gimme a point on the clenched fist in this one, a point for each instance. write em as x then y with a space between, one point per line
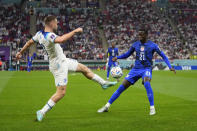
18 55
78 30
114 59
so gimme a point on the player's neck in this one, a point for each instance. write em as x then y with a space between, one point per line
143 41
47 29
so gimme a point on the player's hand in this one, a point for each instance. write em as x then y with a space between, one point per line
114 59
78 30
18 55
172 69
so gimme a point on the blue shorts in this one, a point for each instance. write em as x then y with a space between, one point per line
114 63
135 74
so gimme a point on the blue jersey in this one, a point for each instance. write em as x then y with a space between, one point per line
144 54
112 52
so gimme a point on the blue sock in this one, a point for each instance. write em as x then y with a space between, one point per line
149 92
116 94
108 70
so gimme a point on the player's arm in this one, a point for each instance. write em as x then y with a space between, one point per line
65 37
165 58
27 45
125 55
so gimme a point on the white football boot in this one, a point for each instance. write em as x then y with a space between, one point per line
152 111
103 109
40 115
108 84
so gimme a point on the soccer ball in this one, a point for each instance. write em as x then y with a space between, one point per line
116 72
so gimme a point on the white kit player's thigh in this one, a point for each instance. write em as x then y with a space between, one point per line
59 70
72 64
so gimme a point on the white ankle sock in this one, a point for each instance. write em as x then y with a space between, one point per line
108 105
152 107
48 106
98 79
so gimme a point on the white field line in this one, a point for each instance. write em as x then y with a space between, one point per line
4 81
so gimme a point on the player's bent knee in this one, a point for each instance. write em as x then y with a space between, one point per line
147 79
126 83
61 91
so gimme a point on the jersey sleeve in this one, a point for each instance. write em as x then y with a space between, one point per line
35 37
128 53
165 58
51 37
157 49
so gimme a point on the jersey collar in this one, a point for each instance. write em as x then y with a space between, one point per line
147 42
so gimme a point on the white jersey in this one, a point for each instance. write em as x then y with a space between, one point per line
47 40
59 65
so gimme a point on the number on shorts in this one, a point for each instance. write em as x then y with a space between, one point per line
147 73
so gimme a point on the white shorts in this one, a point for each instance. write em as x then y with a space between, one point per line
60 68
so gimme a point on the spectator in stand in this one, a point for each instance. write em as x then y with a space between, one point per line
184 15
119 21
122 18
86 46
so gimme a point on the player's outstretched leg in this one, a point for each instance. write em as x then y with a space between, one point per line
90 75
60 92
150 95
116 94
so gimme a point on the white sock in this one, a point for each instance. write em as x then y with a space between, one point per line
98 79
48 106
152 107
108 105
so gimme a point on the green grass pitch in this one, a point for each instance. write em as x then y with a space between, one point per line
22 94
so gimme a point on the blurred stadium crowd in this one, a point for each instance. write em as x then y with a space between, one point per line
119 20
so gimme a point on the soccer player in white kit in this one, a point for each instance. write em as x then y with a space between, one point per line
59 65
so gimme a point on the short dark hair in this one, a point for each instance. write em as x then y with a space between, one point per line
144 29
48 19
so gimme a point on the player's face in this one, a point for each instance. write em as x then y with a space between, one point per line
54 25
113 45
142 35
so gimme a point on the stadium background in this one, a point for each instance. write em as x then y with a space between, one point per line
173 25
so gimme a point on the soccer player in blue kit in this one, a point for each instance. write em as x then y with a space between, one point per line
29 62
143 68
111 52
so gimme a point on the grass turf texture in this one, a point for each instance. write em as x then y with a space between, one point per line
22 94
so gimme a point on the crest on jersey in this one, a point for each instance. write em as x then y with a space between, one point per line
52 36
142 48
